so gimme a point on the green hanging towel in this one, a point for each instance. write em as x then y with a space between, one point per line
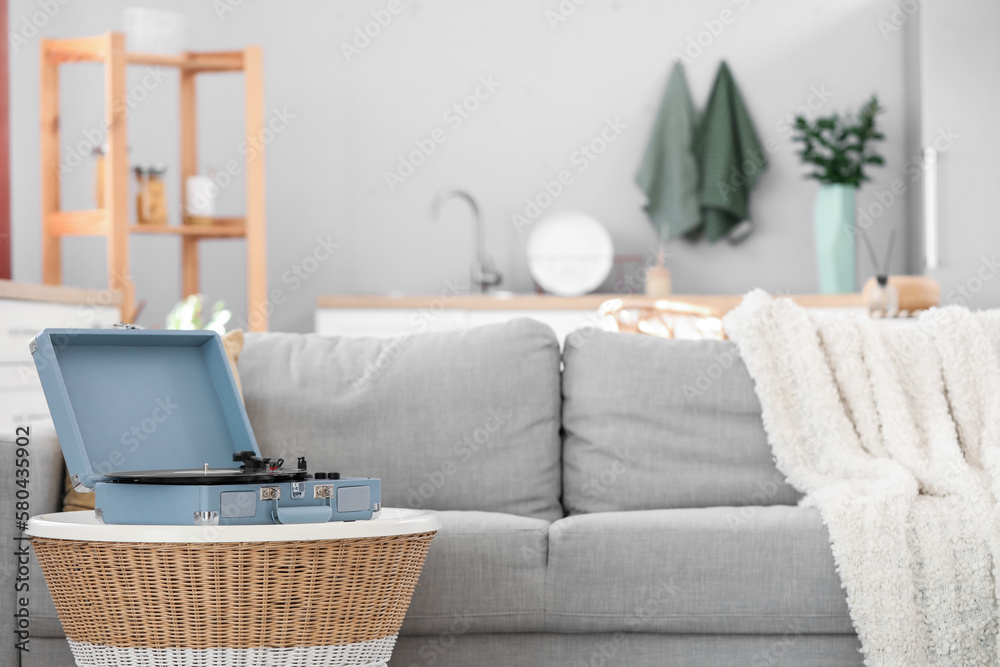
669 172
731 159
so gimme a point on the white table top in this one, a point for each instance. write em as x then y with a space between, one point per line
84 526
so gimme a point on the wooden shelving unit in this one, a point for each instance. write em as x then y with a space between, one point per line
112 221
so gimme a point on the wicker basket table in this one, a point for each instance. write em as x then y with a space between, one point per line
308 595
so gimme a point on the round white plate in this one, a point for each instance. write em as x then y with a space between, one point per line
570 253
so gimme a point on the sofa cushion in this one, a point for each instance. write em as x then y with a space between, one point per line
462 420
485 572
720 570
658 424
621 649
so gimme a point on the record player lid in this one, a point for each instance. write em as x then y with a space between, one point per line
133 399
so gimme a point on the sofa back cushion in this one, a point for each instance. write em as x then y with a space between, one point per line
661 424
464 420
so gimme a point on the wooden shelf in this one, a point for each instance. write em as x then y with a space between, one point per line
77 223
95 223
95 50
217 230
220 61
112 221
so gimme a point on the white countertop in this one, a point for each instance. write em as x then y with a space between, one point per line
724 302
58 294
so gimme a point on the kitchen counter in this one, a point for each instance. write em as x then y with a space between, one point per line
466 301
725 302
387 315
73 296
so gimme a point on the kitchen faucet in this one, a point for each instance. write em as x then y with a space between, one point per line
484 273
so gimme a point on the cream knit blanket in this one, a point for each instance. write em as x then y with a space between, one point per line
892 430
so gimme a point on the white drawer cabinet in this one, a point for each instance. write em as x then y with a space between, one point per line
21 398
387 321
394 321
392 315
20 320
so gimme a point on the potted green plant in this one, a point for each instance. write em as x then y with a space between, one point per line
187 314
839 150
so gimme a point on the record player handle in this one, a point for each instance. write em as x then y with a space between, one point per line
313 514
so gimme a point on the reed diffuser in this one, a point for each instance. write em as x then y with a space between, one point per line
882 298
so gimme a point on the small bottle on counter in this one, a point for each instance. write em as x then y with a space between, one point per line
658 276
883 299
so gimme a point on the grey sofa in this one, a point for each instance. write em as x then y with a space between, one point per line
613 504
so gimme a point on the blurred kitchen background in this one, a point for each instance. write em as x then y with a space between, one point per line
547 76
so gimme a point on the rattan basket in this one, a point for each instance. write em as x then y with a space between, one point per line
292 602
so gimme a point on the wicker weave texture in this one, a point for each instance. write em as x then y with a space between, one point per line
363 654
232 595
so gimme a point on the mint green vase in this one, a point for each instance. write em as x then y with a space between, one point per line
834 219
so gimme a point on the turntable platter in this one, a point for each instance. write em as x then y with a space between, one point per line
208 476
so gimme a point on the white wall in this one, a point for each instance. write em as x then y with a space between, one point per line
961 58
609 59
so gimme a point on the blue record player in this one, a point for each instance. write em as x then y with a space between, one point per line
153 422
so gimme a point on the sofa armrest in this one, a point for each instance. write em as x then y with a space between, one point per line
45 485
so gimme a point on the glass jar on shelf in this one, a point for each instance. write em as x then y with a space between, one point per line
151 199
